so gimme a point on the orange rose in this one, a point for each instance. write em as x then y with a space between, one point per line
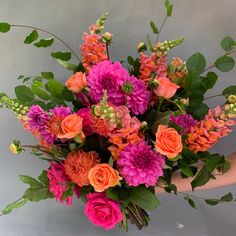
76 82
71 126
166 88
103 176
168 141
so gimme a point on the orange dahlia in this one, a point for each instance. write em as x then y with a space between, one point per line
78 165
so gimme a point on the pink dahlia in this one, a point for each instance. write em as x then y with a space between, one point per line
38 118
139 97
139 164
107 76
58 182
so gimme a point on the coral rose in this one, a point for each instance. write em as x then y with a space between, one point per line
102 211
78 165
166 88
77 82
168 141
71 126
103 176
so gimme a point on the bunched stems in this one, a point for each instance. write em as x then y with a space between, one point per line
47 32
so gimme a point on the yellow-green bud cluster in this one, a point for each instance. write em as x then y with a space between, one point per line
107 37
16 147
167 45
100 22
230 110
231 99
13 105
141 47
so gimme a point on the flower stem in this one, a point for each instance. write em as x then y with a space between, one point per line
47 32
107 49
163 23
158 109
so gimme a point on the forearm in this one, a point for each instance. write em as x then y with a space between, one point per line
228 178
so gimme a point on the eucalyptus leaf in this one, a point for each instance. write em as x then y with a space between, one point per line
231 90
44 43
4 27
33 36
196 62
225 63
227 43
68 66
64 56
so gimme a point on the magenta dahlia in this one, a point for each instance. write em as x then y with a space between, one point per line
38 118
107 76
138 98
139 164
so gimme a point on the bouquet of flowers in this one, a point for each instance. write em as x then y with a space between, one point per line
115 132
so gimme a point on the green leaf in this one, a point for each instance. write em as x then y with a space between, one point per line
44 178
40 93
68 66
34 183
113 193
171 188
68 95
83 192
54 87
64 56
210 80
212 202
228 197
189 157
196 62
44 43
20 77
224 167
191 202
231 90
201 178
47 75
213 161
37 194
187 170
24 93
144 198
169 8
201 111
191 81
13 206
225 63
68 192
130 60
154 28
227 43
31 37
4 27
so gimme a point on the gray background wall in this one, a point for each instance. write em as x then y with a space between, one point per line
203 23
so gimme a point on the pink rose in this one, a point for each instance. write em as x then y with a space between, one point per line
102 211
85 114
58 182
166 88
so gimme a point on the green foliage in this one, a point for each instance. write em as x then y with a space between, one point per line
154 27
34 183
144 198
188 171
64 56
24 93
231 90
227 43
209 81
226 198
43 178
14 205
37 194
190 201
68 95
196 62
201 178
225 63
213 161
4 27
68 66
169 8
44 43
33 36
47 75
113 193
171 188
192 81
